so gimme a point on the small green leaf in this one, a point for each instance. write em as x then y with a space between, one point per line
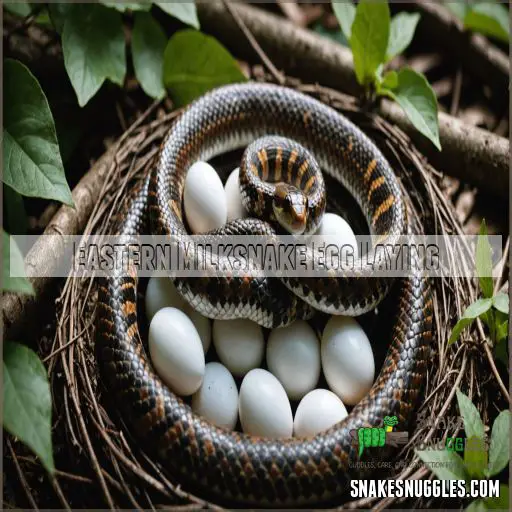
473 425
478 308
22 9
27 410
369 39
32 163
148 45
502 333
445 464
484 261
501 302
121 7
402 29
15 218
476 506
194 63
390 80
499 451
490 19
500 503
459 326
345 12
94 48
475 457
12 255
414 94
58 14
458 8
185 11
334 35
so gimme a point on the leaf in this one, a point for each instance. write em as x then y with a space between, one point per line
345 12
484 261
445 464
121 7
459 9
501 302
490 19
32 163
479 307
499 451
369 39
94 49
184 11
334 35
12 256
148 45
414 94
194 63
15 219
473 425
27 407
475 457
401 32
476 506
22 9
58 13
502 332
390 80
500 503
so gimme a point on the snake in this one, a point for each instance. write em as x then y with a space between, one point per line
229 466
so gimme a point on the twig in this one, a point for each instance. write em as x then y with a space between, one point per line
21 476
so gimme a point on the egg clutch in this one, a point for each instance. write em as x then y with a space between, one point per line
253 376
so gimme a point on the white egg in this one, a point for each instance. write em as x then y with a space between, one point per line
239 344
318 411
217 398
264 407
176 351
347 359
293 356
204 199
236 209
162 293
336 230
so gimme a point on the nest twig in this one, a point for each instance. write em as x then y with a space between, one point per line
101 465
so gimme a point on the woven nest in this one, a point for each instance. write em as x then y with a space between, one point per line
100 465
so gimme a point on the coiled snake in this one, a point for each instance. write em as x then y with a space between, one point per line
230 466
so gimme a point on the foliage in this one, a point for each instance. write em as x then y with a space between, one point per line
375 39
492 308
488 18
27 401
478 462
18 282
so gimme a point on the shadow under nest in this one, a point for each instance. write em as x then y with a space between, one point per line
91 441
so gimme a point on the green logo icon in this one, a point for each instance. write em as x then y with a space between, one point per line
370 437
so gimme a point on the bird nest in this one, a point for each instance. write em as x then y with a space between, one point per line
100 465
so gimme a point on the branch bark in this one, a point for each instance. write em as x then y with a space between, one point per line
474 155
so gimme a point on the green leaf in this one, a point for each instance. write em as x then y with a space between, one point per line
148 45
479 307
414 94
27 410
473 425
401 32
458 8
22 9
502 332
390 80
459 326
369 39
484 261
58 13
445 464
345 12
499 451
185 11
12 255
194 63
32 163
94 49
15 219
121 7
490 19
500 503
334 35
476 506
501 302
475 457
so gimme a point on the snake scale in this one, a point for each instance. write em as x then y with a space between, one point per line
232 467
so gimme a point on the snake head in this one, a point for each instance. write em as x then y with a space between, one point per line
290 207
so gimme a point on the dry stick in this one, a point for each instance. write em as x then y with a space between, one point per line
474 155
476 54
21 476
